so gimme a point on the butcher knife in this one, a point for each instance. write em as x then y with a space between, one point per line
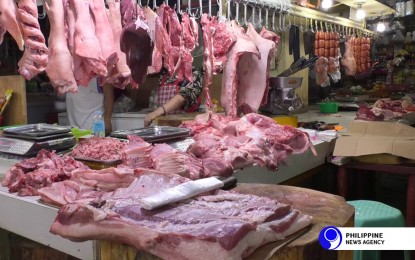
185 191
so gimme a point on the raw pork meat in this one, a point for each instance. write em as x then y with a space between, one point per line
86 45
242 142
60 63
225 225
120 76
207 56
138 47
104 34
322 77
158 36
217 39
348 60
35 56
254 72
8 21
137 153
99 148
231 74
29 175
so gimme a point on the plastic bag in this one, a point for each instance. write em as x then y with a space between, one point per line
123 104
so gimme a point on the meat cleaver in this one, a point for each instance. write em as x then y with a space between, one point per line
185 191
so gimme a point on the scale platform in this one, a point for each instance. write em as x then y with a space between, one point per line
30 139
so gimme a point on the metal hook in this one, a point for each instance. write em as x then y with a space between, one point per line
229 12
210 8
43 14
266 17
237 11
245 14
273 19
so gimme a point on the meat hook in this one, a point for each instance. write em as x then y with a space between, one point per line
237 11
210 8
253 14
200 9
260 15
189 9
245 13
229 13
266 17
273 18
43 14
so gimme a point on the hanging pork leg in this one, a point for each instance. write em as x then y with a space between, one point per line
35 57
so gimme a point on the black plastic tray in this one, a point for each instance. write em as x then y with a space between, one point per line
37 130
154 133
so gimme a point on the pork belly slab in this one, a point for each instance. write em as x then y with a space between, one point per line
225 225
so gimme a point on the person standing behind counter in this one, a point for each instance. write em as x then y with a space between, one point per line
81 106
174 96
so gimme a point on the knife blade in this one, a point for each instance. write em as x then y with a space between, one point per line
185 191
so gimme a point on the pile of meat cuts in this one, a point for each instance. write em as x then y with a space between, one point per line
99 148
385 109
252 139
222 225
29 175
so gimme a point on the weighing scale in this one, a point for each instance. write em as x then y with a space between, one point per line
30 139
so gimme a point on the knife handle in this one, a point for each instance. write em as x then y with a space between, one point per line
229 182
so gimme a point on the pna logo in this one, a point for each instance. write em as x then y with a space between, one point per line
330 237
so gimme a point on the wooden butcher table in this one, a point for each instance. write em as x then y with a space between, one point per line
326 209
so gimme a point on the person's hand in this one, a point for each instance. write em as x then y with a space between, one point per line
149 118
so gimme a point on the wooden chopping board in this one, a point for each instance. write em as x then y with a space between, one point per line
174 119
326 209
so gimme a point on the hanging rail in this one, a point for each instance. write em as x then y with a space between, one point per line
284 8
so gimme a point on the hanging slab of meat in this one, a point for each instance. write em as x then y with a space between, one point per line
348 60
82 75
322 77
104 33
60 64
207 56
35 56
159 36
223 39
86 44
276 39
189 43
168 56
231 73
334 69
8 21
225 225
138 47
254 72
120 76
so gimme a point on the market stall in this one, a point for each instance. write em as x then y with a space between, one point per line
248 115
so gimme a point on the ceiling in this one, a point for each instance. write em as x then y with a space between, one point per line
372 8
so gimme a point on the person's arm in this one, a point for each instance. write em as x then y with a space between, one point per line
108 106
173 104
